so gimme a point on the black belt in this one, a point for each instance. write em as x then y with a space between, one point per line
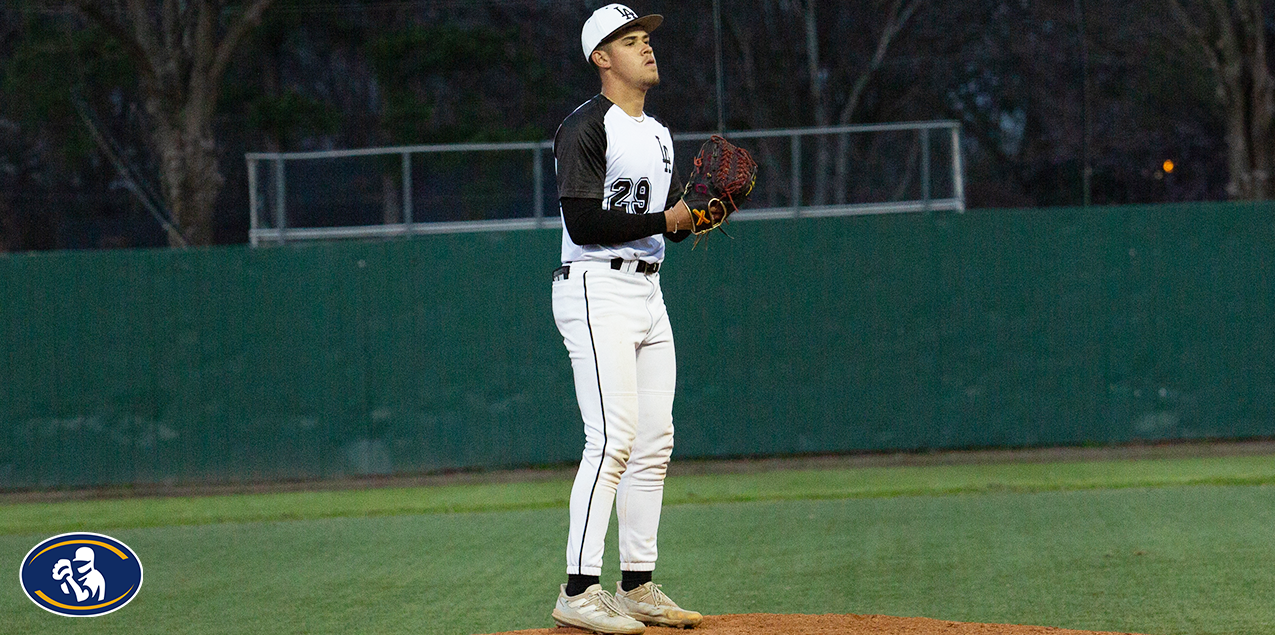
643 267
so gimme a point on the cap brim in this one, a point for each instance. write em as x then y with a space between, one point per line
647 23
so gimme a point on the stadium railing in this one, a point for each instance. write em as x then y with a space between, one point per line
474 187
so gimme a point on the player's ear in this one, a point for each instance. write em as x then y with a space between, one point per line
600 58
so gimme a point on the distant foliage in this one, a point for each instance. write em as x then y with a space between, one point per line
370 73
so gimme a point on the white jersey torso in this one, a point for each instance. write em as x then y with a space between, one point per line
636 160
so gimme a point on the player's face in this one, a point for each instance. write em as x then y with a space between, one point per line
633 59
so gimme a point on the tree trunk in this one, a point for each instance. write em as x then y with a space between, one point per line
182 52
823 152
1262 108
1231 34
190 173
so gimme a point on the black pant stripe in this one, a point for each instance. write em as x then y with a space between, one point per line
602 404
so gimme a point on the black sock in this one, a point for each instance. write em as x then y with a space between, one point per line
576 584
633 579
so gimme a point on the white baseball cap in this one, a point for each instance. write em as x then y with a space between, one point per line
606 21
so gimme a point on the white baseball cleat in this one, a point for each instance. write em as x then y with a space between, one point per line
594 610
649 605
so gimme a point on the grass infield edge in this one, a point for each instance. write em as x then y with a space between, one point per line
50 517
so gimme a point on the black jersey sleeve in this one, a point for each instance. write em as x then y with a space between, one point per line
588 224
675 188
580 148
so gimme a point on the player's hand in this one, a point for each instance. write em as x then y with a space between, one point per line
677 217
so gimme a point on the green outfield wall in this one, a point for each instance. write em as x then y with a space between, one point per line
895 332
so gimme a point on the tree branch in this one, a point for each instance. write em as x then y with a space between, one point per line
132 47
1227 46
199 85
1186 23
812 62
144 33
749 68
168 22
900 13
242 26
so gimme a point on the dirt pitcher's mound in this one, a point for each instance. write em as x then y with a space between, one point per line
765 623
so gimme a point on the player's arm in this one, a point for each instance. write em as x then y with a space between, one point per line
81 594
677 222
589 224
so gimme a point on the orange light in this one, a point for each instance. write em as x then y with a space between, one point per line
1168 166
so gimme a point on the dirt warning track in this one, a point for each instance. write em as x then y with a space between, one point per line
849 624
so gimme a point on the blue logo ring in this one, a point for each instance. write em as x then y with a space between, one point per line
81 574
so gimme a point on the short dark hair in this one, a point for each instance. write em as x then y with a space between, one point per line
610 39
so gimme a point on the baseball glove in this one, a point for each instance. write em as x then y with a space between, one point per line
723 177
61 569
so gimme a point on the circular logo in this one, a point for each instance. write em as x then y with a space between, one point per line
81 574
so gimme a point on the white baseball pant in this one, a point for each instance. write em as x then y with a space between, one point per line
617 333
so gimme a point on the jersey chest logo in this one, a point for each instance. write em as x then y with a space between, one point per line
668 161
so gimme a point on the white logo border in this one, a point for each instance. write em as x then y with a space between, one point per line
141 573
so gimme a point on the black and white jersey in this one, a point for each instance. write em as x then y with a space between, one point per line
602 153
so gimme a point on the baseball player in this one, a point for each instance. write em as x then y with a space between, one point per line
620 200
90 583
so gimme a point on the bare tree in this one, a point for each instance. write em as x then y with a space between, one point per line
843 47
1231 35
897 16
897 13
182 50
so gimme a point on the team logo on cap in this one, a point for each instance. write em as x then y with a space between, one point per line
81 574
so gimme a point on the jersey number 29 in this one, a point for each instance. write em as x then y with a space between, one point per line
628 198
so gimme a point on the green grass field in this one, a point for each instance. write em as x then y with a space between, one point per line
1168 546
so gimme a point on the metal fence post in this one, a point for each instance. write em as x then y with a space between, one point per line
253 203
795 145
958 175
925 168
280 204
407 191
538 186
